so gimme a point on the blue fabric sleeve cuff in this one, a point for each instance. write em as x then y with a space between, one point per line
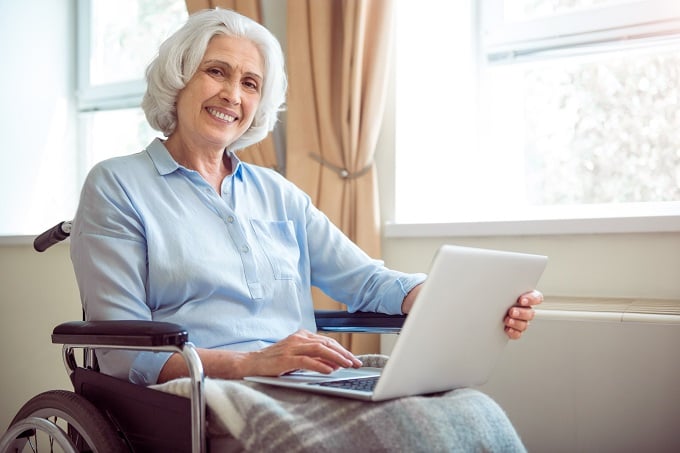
147 366
393 299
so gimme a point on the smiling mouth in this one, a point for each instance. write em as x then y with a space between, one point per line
222 116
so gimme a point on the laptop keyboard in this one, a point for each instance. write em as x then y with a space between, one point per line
364 384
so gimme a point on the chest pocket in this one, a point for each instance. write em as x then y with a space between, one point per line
279 245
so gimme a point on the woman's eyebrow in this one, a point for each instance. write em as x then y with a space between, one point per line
231 68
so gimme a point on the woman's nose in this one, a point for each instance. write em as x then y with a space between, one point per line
231 92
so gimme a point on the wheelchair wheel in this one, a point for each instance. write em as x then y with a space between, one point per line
59 420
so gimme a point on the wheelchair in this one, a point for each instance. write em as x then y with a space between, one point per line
108 415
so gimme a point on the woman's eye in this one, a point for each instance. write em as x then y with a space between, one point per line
215 72
251 85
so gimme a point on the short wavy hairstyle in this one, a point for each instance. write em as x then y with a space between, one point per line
180 55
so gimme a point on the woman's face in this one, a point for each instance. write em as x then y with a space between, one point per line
218 104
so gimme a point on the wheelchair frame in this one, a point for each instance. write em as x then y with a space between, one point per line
104 397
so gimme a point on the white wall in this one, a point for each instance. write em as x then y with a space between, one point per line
38 292
593 387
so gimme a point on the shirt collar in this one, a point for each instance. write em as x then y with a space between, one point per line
236 164
165 164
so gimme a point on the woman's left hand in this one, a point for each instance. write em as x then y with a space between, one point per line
519 316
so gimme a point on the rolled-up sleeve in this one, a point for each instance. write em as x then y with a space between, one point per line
347 274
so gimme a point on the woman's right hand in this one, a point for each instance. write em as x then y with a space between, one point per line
302 350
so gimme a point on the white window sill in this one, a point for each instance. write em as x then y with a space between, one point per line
594 219
16 240
23 240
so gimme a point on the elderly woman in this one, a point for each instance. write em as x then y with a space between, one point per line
185 232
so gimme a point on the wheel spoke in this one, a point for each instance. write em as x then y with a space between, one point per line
62 421
54 420
30 443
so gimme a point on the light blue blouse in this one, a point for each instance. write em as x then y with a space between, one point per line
151 240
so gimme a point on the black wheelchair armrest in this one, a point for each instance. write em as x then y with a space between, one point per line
358 322
154 333
120 333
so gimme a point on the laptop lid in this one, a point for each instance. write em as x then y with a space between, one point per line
453 337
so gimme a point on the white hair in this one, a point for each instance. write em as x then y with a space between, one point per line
180 55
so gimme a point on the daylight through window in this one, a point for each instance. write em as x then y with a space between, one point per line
586 121
119 39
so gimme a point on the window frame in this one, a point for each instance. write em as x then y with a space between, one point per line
99 97
94 99
585 219
635 20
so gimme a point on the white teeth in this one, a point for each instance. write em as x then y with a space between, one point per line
221 115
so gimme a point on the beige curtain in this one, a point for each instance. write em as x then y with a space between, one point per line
263 153
338 52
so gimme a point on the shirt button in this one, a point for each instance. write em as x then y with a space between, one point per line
245 248
230 219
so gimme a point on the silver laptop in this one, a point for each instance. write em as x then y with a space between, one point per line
453 336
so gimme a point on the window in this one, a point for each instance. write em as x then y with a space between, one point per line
117 40
550 109
71 100
37 144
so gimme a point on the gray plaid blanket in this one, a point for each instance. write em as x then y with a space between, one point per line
266 419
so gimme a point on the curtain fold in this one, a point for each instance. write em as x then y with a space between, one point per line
338 53
264 152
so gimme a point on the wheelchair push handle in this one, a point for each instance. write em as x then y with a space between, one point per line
56 234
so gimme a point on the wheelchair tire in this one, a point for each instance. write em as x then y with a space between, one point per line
86 427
